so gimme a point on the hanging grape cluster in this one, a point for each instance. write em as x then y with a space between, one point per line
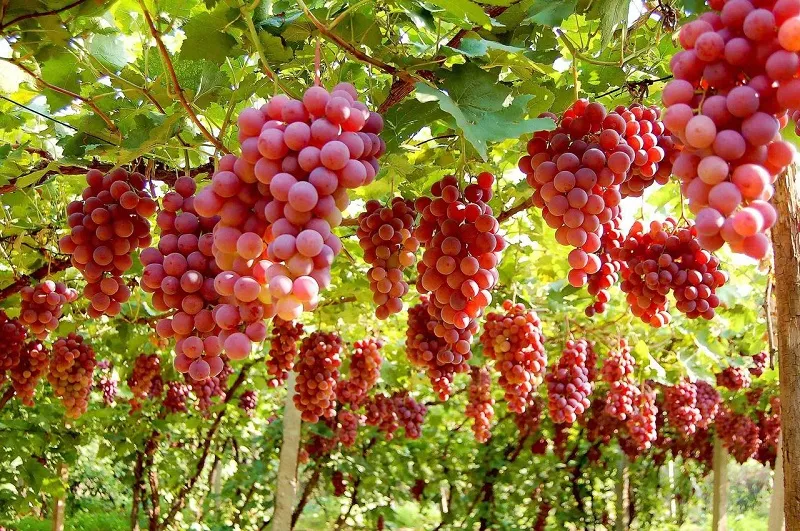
106 226
654 148
400 410
515 341
248 402
175 397
108 383
43 304
34 360
386 236
317 375
14 336
739 434
479 406
71 370
734 81
282 349
641 424
423 349
347 423
680 404
733 378
363 372
708 403
759 364
145 378
568 385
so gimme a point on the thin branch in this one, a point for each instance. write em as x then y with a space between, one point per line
170 68
440 137
38 14
7 395
88 101
576 54
44 271
247 15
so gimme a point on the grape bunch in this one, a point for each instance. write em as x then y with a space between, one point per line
515 341
734 82
568 385
621 399
598 283
71 370
14 336
364 371
34 360
708 403
528 422
410 414
479 407
380 412
347 426
386 236
769 431
759 364
175 397
418 489
248 402
424 349
641 424
180 273
680 404
282 349
339 484
619 365
106 226
753 395
739 434
462 246
206 390
654 148
145 378
667 258
43 304
733 378
317 375
108 383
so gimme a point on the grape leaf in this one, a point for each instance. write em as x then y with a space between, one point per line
109 50
612 14
549 13
205 38
480 47
465 10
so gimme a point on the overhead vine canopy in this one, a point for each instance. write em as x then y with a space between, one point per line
200 198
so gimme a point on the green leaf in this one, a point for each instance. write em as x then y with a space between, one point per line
109 50
465 10
613 13
205 38
549 13
60 72
480 47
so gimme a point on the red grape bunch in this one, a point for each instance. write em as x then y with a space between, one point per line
339 484
364 371
619 365
108 383
739 434
317 375
380 412
386 236
769 431
641 423
282 349
479 407
654 148
759 364
529 421
708 403
145 378
32 367
42 306
106 226
175 397
458 269
598 283
410 414
248 402
734 82
515 341
665 259
206 390
14 335
347 426
617 370
423 349
680 404
71 369
180 274
733 378
568 385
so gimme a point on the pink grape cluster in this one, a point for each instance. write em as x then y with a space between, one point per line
641 424
106 226
623 395
386 236
400 410
34 360
654 148
739 434
515 341
423 349
71 370
733 378
459 265
479 406
680 404
568 385
708 403
667 258
175 397
248 402
180 274
363 372
108 384
282 349
206 390
381 414
14 336
619 364
43 304
317 375
145 378
598 283
347 426
769 431
734 82
528 422
759 364
338 483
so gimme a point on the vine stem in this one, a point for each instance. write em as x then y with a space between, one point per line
575 53
268 71
38 14
170 68
88 101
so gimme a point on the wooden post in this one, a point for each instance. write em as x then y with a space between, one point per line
786 244
287 468
60 502
720 515
622 493
775 521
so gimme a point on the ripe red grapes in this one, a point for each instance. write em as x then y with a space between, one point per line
108 384
641 423
385 235
425 349
654 148
42 306
708 403
206 390
145 378
516 343
388 413
107 225
479 407
282 349
733 378
739 434
619 364
14 335
175 397
759 364
680 404
71 370
347 426
317 375
248 402
32 367
568 385
364 371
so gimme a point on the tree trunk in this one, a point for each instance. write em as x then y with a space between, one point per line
786 243
60 502
287 468
720 515
621 489
775 521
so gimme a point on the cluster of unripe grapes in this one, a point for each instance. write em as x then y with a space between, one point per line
145 379
734 82
71 369
423 349
708 403
317 375
248 402
400 410
34 360
663 259
515 341
180 273
680 404
458 269
386 236
106 226
480 402
175 397
739 434
282 349
568 385
43 304
363 372
733 378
